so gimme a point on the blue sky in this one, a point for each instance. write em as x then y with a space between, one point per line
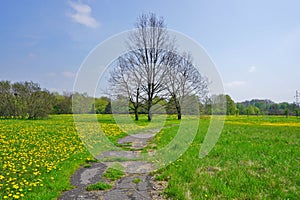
254 44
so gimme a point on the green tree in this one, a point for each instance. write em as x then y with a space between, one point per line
256 110
296 112
82 103
62 103
230 105
7 100
286 112
250 110
40 104
241 108
24 100
237 112
101 104
218 104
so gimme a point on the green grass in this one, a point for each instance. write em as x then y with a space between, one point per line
38 157
255 158
87 165
136 180
98 186
113 174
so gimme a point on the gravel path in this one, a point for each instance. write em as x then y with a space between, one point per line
124 188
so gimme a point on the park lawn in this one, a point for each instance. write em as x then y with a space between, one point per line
255 158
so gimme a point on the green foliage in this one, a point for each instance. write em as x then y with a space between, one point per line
267 107
120 105
27 100
98 186
24 100
256 111
286 112
101 105
62 103
82 103
296 112
230 106
252 110
218 103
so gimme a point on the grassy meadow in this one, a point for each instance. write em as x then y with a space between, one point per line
255 158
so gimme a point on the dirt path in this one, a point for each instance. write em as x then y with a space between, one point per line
125 188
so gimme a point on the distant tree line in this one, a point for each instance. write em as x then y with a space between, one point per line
26 100
267 107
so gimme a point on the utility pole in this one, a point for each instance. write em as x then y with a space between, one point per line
297 103
297 98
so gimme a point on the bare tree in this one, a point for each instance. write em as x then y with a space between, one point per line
151 69
148 47
125 81
183 79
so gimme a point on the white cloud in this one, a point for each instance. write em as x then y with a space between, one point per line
68 74
252 69
82 14
235 83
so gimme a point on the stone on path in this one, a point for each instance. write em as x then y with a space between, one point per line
138 141
119 155
133 167
83 177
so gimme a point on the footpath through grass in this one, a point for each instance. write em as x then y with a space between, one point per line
255 158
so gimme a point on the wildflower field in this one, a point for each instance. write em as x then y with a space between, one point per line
34 154
255 158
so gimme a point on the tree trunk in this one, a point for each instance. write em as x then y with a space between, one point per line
149 115
179 116
178 108
149 103
149 111
136 114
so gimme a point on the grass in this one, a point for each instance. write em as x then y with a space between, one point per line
38 157
255 158
136 180
113 174
98 186
87 165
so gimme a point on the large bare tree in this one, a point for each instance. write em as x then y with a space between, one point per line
148 47
151 70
